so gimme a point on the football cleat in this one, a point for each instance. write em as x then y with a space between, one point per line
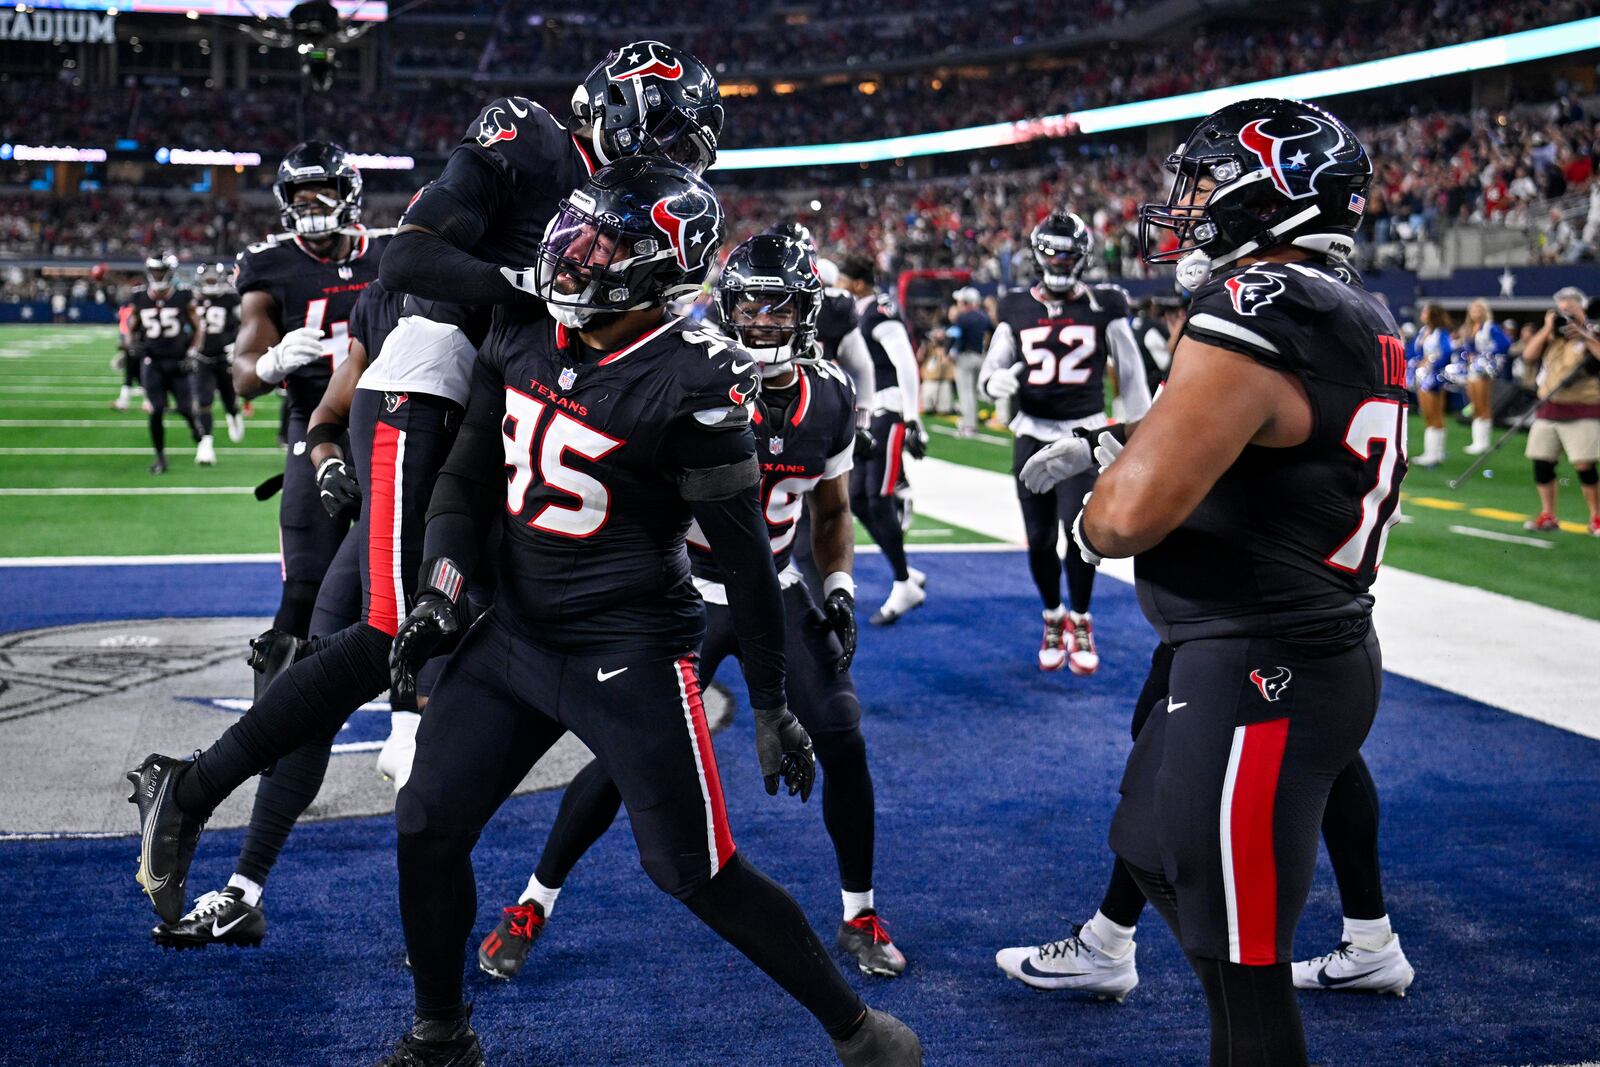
1544 522
1072 963
205 453
216 919
1053 648
438 1043
159 466
882 1041
918 578
1385 970
167 836
120 404
236 427
866 940
399 748
504 951
271 652
903 597
1081 655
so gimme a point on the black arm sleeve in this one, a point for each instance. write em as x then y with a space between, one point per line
454 211
426 265
737 532
473 477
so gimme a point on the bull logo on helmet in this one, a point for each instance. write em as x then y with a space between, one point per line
1271 681
494 127
1287 156
1253 289
692 235
647 59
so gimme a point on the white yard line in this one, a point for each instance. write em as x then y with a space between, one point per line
1539 662
148 490
1504 538
224 450
96 424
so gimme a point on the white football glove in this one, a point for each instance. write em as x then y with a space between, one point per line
1004 383
297 349
1106 450
1057 462
1091 557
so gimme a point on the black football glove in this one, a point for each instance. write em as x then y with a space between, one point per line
432 627
840 608
916 440
783 749
341 493
190 362
864 445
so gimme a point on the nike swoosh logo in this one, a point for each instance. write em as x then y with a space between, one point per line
1171 707
740 368
604 675
1031 971
521 112
1326 979
152 884
218 931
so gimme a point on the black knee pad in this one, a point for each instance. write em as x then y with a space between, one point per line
296 606
839 748
1544 472
1588 476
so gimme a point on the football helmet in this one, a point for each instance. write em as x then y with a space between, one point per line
313 164
652 99
640 233
769 297
797 233
1275 172
213 279
1062 246
161 271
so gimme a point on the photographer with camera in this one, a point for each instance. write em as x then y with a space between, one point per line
1564 360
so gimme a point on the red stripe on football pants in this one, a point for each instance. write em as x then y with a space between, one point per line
1255 866
382 552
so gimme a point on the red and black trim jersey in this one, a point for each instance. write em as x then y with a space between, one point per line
1288 541
594 516
219 315
804 434
1064 348
308 290
158 326
503 183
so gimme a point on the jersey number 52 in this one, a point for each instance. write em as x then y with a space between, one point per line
1070 366
526 431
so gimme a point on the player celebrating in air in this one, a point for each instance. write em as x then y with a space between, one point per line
1050 352
878 479
1255 498
218 309
769 297
619 425
296 292
162 327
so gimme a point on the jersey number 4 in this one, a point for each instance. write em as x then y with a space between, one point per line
335 335
1377 424
1070 366
526 431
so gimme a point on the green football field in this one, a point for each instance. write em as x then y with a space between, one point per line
73 482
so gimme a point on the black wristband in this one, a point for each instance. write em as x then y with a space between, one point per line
323 433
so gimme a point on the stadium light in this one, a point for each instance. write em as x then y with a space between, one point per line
1543 43
32 153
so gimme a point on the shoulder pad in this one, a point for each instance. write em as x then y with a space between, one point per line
266 244
506 122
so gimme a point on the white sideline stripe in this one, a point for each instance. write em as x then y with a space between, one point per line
57 389
79 424
1544 666
1495 535
984 438
148 490
226 450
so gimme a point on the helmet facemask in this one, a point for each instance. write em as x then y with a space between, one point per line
587 265
769 324
333 205
161 273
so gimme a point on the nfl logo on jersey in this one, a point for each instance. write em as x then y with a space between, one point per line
775 446
568 376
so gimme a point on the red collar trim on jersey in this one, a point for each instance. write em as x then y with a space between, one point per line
804 405
561 335
588 161
356 252
640 342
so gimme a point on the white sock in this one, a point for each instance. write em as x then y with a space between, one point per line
251 890
1055 614
126 394
542 894
1109 937
1433 441
855 903
1368 934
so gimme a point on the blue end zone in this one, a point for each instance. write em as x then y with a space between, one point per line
995 784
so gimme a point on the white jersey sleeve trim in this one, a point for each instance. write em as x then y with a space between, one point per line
841 463
1217 324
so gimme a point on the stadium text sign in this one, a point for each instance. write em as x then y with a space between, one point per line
72 27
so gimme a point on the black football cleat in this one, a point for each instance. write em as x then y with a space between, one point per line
866 940
882 1041
504 951
438 1043
160 465
216 919
167 837
270 655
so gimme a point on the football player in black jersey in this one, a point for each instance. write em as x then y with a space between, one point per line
217 306
1050 352
1255 498
769 296
878 480
619 426
162 331
296 291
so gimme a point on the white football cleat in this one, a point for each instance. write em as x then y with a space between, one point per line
903 597
1385 970
1081 654
1072 963
399 748
120 404
205 453
236 427
1053 648
919 578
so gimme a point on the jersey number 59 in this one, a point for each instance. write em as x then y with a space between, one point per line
526 430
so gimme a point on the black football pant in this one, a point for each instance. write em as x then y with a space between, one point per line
308 538
502 702
161 380
1349 825
212 378
826 705
872 487
1045 517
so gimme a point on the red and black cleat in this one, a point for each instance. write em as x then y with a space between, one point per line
866 940
506 949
